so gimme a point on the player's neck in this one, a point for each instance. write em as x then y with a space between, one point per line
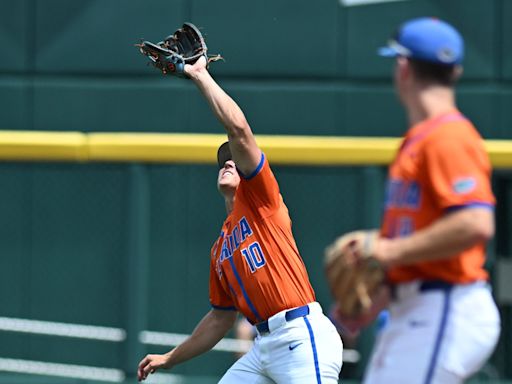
230 202
430 102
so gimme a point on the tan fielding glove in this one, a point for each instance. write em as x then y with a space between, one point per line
354 276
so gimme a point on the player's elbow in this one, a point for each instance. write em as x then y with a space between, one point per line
484 232
239 127
480 224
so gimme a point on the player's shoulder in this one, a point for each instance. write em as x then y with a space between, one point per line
262 170
461 130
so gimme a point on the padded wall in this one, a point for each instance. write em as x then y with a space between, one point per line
295 67
73 66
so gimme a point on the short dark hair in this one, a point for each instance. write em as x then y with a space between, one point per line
435 73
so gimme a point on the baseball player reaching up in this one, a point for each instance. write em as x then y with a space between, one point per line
256 269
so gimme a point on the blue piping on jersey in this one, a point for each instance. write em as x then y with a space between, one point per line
244 292
442 328
233 293
257 170
315 355
231 289
223 308
471 204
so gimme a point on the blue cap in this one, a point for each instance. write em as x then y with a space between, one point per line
426 39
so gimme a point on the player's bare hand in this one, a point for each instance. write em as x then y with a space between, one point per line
195 69
387 252
150 364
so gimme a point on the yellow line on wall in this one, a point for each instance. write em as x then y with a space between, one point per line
154 147
201 148
196 148
54 146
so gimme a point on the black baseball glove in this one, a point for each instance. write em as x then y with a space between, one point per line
185 46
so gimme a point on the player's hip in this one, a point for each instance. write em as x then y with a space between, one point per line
306 324
436 329
308 343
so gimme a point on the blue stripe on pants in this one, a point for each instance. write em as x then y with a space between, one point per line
442 327
315 356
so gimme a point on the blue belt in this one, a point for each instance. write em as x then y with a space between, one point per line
425 286
435 285
289 316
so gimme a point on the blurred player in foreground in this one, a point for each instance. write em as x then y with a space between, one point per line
256 269
438 217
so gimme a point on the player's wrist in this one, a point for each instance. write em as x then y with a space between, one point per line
197 74
387 252
169 359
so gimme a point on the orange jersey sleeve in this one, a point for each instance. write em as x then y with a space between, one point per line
219 298
256 265
260 190
458 170
441 166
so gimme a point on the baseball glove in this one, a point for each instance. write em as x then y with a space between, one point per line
185 46
354 276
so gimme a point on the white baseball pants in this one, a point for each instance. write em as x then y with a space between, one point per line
435 336
306 350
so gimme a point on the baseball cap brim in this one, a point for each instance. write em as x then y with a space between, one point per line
393 49
223 154
387 52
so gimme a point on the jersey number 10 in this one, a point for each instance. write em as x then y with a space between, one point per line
254 256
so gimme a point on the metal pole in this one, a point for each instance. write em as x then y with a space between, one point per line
137 269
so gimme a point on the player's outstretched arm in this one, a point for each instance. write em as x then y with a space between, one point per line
448 236
242 144
210 330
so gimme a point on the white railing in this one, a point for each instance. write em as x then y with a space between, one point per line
93 332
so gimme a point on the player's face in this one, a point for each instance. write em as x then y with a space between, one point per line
228 178
400 77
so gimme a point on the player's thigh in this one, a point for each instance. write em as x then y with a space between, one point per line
240 376
473 335
435 338
405 375
407 351
246 370
311 354
443 376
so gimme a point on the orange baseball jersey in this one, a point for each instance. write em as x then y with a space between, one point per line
255 265
441 166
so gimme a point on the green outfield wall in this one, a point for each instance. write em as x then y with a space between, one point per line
102 228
